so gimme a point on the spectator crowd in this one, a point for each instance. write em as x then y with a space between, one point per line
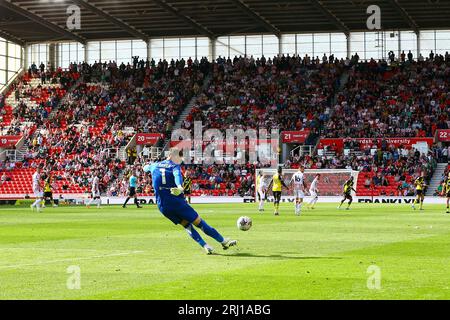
77 121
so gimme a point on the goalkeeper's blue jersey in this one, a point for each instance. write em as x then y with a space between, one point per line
165 175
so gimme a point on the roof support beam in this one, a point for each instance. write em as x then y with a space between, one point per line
257 17
38 19
9 37
124 26
406 17
330 16
191 22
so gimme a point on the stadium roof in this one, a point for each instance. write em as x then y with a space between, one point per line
30 21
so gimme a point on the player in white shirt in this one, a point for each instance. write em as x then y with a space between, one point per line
37 190
313 191
95 191
298 180
261 188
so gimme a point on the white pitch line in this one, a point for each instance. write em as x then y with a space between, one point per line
71 259
49 249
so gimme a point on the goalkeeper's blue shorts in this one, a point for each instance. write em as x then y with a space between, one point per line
178 210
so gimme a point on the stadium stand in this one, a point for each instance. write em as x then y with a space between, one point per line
409 99
99 116
253 93
76 120
403 99
28 105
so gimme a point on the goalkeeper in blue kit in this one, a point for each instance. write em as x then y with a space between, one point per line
167 184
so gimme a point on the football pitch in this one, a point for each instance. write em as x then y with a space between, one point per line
374 251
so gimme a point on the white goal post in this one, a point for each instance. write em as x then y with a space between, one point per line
330 184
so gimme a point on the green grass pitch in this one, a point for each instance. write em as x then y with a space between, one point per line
138 254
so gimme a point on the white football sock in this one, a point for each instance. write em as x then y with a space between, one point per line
38 205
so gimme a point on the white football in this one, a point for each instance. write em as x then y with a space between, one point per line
244 223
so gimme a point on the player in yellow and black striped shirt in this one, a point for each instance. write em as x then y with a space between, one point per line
446 190
348 188
420 191
277 185
48 194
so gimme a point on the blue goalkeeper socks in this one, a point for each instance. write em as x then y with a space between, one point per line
195 235
210 231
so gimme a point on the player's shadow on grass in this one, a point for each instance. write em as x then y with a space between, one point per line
279 256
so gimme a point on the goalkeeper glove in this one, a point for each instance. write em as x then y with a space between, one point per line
147 168
176 191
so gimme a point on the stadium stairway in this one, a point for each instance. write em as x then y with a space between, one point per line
314 140
342 83
187 110
437 178
65 97
22 150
